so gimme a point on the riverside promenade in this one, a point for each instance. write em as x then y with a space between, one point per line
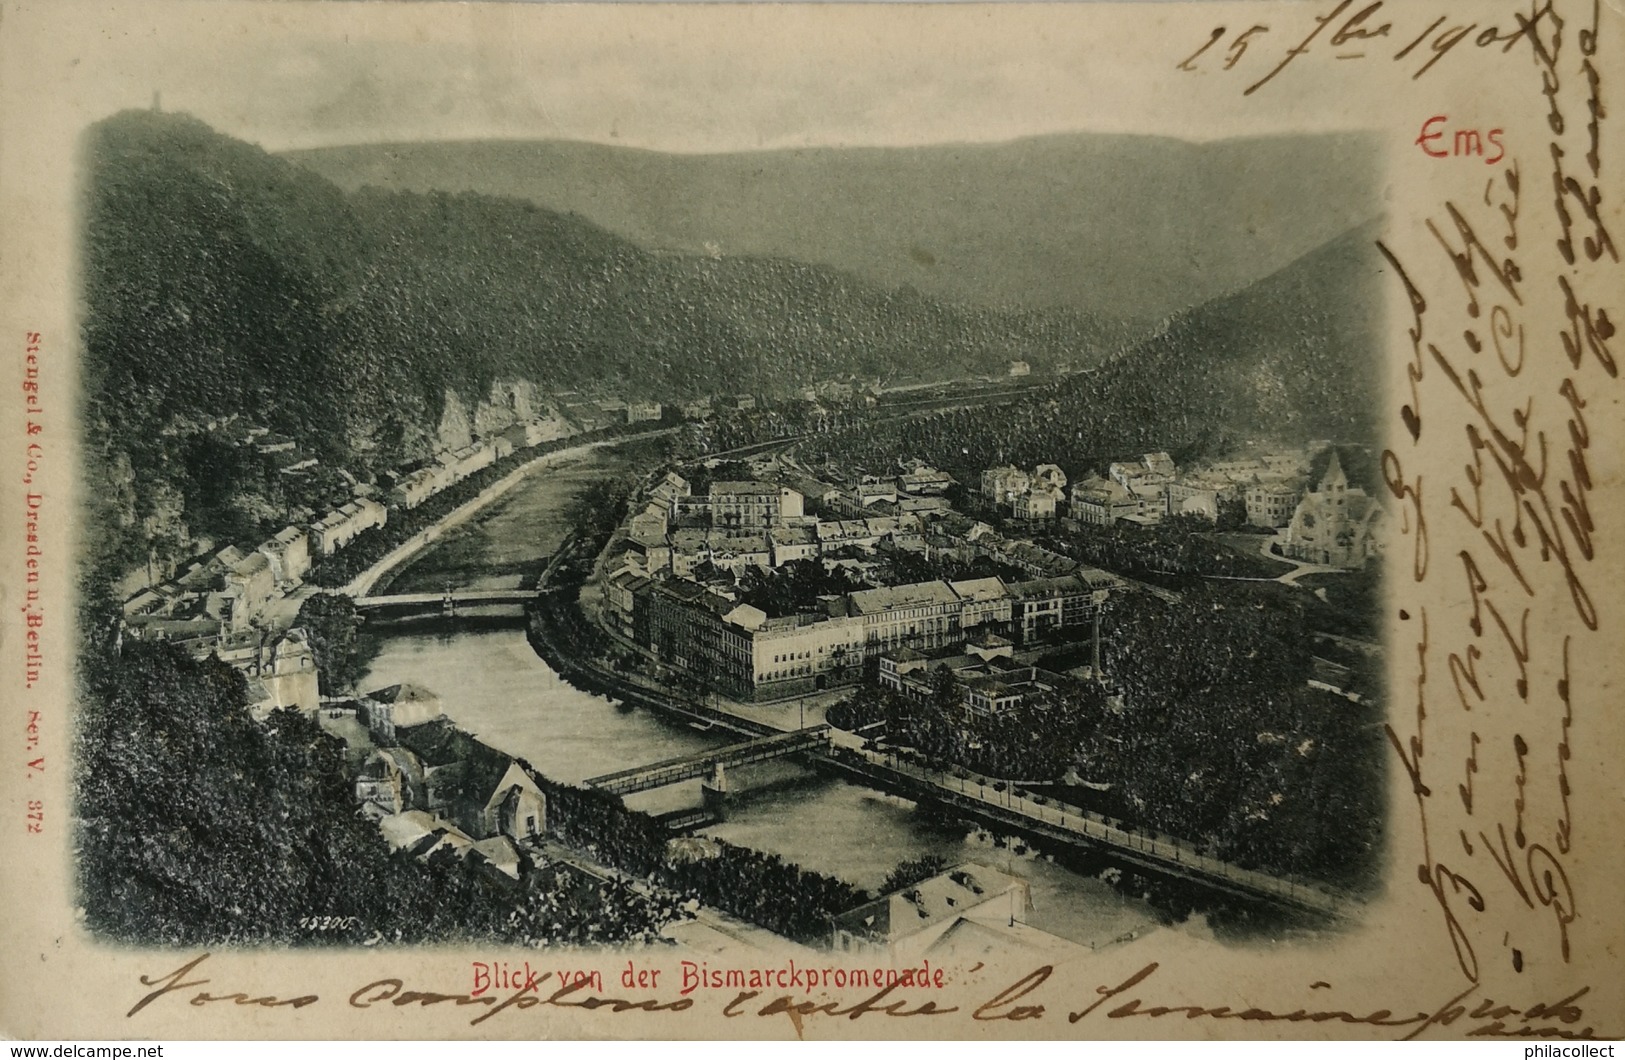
362 584
975 798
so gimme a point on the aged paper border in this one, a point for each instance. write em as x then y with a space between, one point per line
1411 953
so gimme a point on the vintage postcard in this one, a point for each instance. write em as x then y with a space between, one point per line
813 521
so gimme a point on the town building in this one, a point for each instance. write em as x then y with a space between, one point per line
1195 496
649 524
861 534
763 658
1002 485
385 711
984 602
281 671
894 668
415 487
1102 502
250 584
468 459
870 491
1335 524
923 615
670 487
1160 464
1271 504
923 506
338 528
620 598
689 548
387 782
1043 605
923 480
735 553
452 791
1034 505
934 916
1005 689
988 681
684 625
752 504
289 555
792 543
1049 478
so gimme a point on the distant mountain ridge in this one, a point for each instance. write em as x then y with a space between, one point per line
219 276
1295 356
1130 227
222 280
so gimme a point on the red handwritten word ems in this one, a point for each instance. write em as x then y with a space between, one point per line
1463 143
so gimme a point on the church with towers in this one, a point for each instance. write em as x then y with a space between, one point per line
1335 524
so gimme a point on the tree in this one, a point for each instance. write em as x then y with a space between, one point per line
200 826
908 873
1232 512
333 625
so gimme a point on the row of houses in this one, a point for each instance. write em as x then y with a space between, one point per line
1144 491
917 489
412 488
219 593
742 652
224 593
230 589
684 552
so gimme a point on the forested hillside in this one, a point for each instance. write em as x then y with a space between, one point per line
1129 227
1294 357
221 280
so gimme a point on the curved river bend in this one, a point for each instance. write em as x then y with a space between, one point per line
492 684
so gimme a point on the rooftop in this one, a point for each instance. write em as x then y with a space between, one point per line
1038 587
749 488
793 535
918 594
746 617
913 909
981 589
739 543
251 565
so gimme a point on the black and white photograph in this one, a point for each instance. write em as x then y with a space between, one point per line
744 488
899 548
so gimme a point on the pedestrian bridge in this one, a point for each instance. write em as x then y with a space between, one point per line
676 770
445 602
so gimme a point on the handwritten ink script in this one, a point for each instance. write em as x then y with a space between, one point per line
1260 52
1511 351
1037 995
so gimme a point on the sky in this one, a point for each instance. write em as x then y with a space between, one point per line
695 78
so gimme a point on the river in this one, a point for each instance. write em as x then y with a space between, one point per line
493 684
